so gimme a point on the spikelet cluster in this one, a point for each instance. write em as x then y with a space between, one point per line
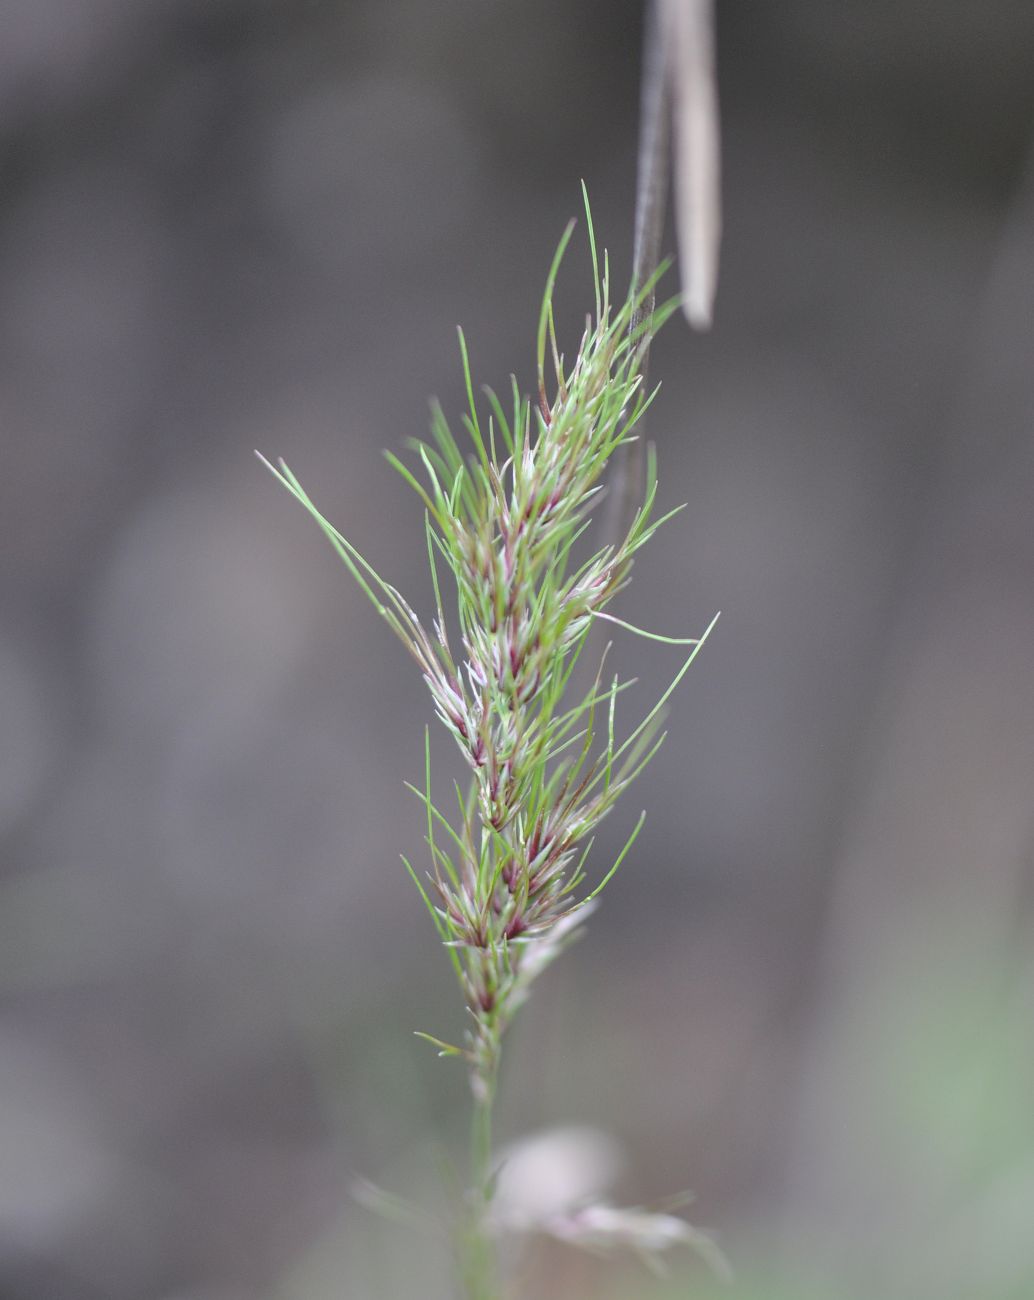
505 522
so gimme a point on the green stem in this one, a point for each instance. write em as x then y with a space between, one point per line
480 1270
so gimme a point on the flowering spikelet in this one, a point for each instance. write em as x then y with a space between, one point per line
506 882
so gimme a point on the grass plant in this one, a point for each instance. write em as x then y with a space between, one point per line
507 519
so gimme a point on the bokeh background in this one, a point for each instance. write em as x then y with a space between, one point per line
809 995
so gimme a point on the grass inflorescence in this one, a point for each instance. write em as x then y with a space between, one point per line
506 520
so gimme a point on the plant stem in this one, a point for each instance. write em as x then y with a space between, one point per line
652 181
480 1274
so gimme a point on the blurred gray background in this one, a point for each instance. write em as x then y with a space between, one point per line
809 995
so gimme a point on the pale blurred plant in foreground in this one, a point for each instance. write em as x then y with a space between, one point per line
508 888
